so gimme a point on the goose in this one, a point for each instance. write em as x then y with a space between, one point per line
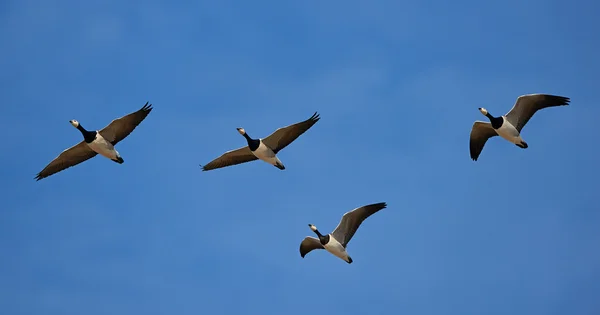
264 149
96 142
510 125
336 241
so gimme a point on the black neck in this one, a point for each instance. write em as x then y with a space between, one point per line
80 127
324 239
252 143
496 121
88 136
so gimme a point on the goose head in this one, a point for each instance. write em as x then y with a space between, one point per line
241 131
74 123
313 227
483 111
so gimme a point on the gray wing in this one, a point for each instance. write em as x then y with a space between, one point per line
282 137
233 157
351 220
480 133
120 128
308 244
527 105
69 157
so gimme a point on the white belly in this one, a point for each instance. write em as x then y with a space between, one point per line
103 147
266 154
334 247
509 132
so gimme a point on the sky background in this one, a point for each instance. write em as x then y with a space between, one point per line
397 84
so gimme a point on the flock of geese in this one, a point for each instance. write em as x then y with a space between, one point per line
103 142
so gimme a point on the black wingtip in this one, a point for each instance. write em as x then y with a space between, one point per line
147 108
559 100
383 204
315 117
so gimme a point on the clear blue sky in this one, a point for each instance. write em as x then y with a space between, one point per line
397 85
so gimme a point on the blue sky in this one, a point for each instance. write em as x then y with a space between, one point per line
397 85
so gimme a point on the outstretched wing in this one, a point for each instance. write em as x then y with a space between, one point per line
480 133
282 137
69 157
527 105
120 128
308 244
351 220
233 157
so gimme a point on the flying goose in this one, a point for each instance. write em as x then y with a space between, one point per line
509 126
97 142
264 149
336 241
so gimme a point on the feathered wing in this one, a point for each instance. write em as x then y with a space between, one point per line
120 128
233 157
282 137
69 157
308 244
351 220
480 133
527 105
